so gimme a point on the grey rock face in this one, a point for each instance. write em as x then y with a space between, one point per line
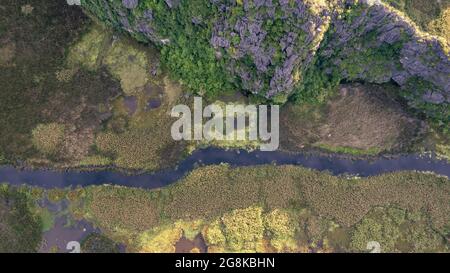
433 97
418 56
269 44
130 4
273 61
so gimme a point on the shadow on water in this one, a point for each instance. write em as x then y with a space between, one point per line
211 156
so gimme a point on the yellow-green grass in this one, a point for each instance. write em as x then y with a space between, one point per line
321 205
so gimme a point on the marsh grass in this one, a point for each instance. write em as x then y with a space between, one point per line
316 207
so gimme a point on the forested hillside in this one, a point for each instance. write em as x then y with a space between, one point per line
279 49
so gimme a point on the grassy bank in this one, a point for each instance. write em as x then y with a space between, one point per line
321 212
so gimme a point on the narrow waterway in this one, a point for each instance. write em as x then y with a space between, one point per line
334 164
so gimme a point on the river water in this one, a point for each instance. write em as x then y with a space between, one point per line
209 156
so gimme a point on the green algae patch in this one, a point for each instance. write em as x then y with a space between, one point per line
88 51
129 65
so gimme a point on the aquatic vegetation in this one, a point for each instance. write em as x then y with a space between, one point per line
443 151
129 65
119 208
95 160
275 208
88 51
47 219
41 87
56 195
214 235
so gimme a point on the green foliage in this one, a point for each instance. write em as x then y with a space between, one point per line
243 228
188 54
439 114
98 243
421 12
120 208
396 230
205 75
235 200
317 86
349 150
47 219
384 229
20 228
56 195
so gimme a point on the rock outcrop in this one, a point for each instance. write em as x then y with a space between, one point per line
267 46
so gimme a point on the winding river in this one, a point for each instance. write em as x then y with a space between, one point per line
209 156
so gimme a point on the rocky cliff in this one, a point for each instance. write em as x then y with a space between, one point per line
276 48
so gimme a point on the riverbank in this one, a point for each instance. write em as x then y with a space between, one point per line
284 208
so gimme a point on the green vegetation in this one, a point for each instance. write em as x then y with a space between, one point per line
248 209
187 42
108 81
206 45
274 208
243 228
47 137
87 52
97 243
396 230
135 137
439 115
20 227
350 150
56 195
39 91
129 65
47 219
429 15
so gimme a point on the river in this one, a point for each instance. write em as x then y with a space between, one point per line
210 156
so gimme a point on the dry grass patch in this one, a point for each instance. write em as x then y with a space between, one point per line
360 120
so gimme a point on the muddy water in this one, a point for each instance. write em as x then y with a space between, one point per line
185 245
210 156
